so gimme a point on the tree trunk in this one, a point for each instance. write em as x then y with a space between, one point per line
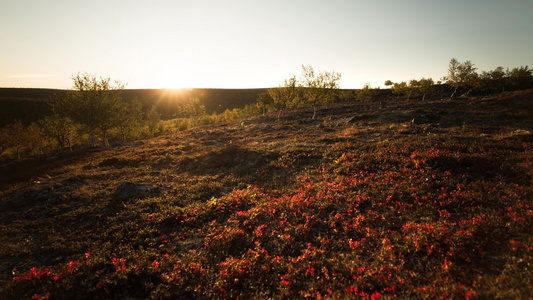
94 142
314 112
105 141
454 91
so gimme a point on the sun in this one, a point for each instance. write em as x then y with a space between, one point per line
170 79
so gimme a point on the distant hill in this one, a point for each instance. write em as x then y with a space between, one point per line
29 105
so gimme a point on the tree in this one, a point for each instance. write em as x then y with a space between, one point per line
16 136
153 119
59 128
494 79
425 86
5 140
93 102
129 118
265 102
193 109
367 93
286 95
521 77
412 87
319 88
388 83
399 88
461 75
34 140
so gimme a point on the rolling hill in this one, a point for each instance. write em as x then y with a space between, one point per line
396 199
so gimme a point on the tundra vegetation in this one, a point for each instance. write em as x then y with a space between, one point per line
412 199
94 112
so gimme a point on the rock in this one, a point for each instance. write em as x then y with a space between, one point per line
129 190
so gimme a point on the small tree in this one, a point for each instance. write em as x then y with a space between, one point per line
495 78
61 129
367 93
153 119
286 95
461 75
5 141
34 140
319 88
93 102
265 102
388 83
16 136
129 119
399 88
521 77
412 88
194 109
425 86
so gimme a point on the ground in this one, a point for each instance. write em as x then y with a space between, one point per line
369 199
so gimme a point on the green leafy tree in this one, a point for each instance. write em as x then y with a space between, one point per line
521 77
319 89
129 119
5 142
34 139
366 93
425 86
412 88
153 120
61 129
16 138
265 102
194 109
461 75
94 103
496 78
399 88
286 95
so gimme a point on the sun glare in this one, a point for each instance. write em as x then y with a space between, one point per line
170 79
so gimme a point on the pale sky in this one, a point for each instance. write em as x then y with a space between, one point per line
255 44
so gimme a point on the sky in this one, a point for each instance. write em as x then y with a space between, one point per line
255 44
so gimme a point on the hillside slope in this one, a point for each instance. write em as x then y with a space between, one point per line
396 199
